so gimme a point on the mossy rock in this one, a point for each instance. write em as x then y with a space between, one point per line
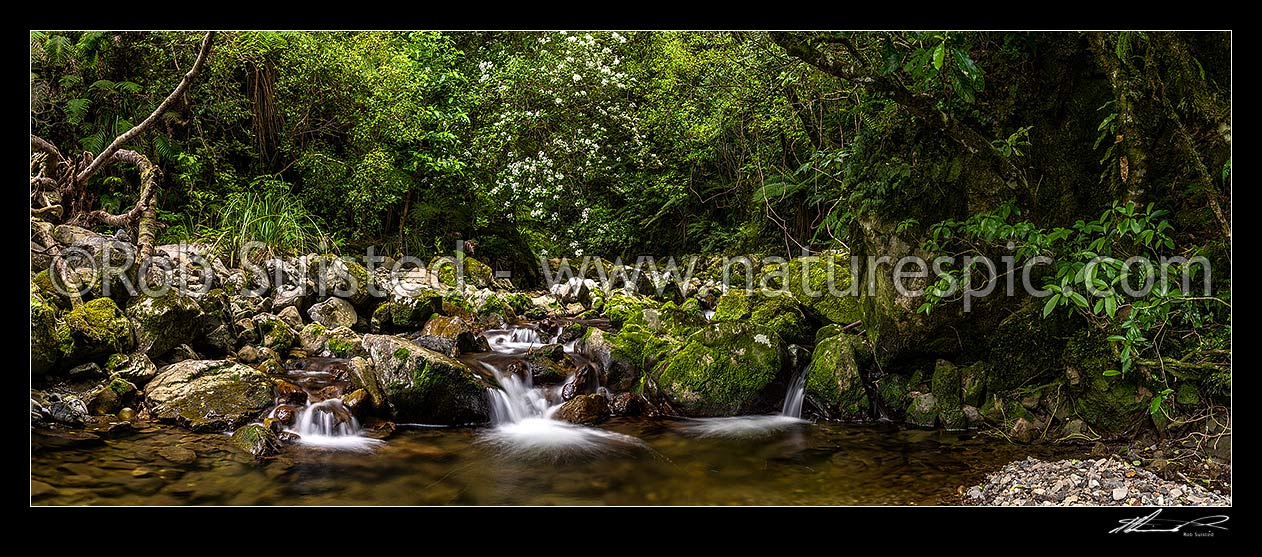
833 377
135 367
723 370
274 332
948 390
1029 348
822 285
973 381
893 390
494 305
778 311
256 440
621 307
98 328
114 395
415 384
476 273
51 340
406 315
209 395
1109 404
164 322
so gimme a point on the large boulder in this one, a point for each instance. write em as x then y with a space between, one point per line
416 384
209 395
406 313
778 311
164 322
322 342
274 332
833 378
331 276
98 328
333 313
50 336
822 284
584 409
723 370
451 336
948 391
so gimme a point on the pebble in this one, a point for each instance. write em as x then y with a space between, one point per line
1107 482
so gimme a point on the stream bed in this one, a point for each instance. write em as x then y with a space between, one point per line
636 461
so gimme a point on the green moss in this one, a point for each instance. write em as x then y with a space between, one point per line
948 391
520 303
1110 404
402 353
276 334
1187 395
834 377
1030 348
493 305
808 280
893 391
340 348
621 307
733 305
98 327
721 369
782 315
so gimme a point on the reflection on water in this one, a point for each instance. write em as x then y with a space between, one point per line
814 464
742 427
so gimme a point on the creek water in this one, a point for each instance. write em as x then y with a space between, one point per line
811 464
524 457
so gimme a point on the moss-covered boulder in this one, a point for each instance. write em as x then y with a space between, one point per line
164 322
624 356
973 381
208 395
1108 404
416 384
833 379
50 336
892 390
135 367
451 336
923 410
274 332
98 328
317 340
333 313
1026 348
821 284
406 314
779 311
948 393
722 370
470 271
334 276
109 398
256 440
621 306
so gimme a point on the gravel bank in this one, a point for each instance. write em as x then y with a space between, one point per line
1033 482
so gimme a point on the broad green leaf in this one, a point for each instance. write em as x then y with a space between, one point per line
938 55
1110 305
1111 373
1078 299
1050 305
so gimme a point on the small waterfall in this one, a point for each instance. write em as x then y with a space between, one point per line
324 422
327 418
522 412
793 399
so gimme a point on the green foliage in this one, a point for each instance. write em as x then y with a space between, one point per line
271 217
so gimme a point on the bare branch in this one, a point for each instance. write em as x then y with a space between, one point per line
121 140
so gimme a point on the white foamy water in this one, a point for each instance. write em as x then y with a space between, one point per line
741 427
329 424
522 413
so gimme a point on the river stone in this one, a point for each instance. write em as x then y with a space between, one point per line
135 367
333 313
164 322
208 395
98 328
415 384
256 440
833 377
723 370
923 410
584 409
